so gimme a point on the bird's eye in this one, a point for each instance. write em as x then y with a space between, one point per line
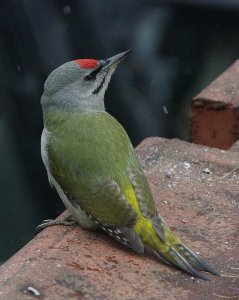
89 77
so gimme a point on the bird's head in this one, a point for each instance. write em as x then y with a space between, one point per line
80 83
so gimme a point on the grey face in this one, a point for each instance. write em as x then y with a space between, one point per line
88 81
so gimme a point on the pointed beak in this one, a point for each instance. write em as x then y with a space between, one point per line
114 60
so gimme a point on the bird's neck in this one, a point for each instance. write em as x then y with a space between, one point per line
65 103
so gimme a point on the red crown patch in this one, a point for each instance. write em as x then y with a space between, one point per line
86 63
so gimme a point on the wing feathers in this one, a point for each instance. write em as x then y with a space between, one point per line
142 191
109 206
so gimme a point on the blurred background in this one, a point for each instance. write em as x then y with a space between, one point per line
178 48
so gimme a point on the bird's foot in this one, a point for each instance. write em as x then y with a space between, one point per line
68 221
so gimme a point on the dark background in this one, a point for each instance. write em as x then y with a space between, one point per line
178 48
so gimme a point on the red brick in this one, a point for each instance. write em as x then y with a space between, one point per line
215 111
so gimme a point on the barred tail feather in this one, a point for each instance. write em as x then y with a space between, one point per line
195 260
180 255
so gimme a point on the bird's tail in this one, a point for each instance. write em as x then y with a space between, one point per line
169 248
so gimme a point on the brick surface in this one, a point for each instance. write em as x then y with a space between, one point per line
215 111
196 190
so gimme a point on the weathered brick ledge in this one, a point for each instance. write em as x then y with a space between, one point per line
196 189
215 111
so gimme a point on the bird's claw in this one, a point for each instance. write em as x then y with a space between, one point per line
49 222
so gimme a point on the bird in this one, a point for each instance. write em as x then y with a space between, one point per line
91 163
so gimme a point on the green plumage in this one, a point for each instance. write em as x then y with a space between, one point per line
86 153
94 144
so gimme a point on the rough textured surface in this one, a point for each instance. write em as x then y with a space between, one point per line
196 190
215 111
